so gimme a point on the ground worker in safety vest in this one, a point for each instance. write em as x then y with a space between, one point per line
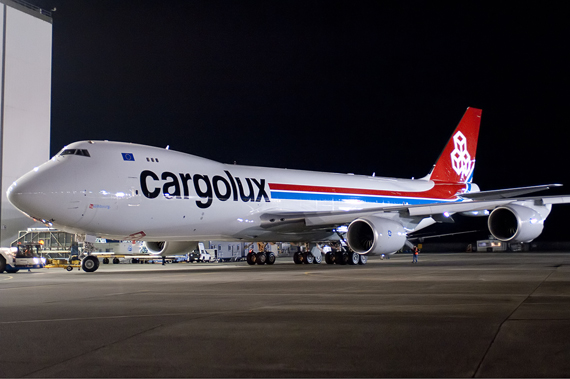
415 253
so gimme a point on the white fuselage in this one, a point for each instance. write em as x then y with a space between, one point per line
128 191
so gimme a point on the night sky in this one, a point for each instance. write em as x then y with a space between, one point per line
345 86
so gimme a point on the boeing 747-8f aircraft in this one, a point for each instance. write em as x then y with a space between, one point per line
171 200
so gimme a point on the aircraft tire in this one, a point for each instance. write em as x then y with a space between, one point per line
353 258
318 259
90 264
298 258
115 261
261 258
2 264
270 258
105 261
341 258
363 259
329 258
251 258
309 258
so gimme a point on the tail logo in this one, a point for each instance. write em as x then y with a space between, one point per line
460 157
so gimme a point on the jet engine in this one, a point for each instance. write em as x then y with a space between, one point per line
517 223
170 247
375 235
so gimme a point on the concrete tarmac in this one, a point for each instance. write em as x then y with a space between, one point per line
450 315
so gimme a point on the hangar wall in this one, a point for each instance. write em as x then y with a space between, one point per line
25 101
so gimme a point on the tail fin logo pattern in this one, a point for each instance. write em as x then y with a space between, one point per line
461 160
457 160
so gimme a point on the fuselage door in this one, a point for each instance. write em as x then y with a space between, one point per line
134 195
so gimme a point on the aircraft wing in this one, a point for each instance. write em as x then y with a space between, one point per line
318 219
416 237
477 205
508 192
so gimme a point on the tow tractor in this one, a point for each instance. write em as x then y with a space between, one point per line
25 256
67 263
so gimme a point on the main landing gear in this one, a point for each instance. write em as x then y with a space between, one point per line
260 258
343 255
307 257
340 257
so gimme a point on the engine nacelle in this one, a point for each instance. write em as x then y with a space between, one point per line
375 235
170 247
517 223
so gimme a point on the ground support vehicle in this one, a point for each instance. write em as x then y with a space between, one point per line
25 256
199 256
68 264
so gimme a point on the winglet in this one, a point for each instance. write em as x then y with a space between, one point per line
457 161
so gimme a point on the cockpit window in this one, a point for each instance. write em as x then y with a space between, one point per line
82 152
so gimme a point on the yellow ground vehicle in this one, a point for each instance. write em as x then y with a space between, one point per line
68 264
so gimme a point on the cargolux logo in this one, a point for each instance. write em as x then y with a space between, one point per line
224 188
98 206
460 158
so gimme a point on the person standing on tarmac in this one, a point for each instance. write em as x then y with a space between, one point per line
415 253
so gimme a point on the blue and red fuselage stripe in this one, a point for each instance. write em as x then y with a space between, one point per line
441 192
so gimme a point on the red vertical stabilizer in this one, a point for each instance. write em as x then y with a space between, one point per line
457 161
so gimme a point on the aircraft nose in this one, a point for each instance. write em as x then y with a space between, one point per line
27 195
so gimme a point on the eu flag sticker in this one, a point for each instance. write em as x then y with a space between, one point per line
128 157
